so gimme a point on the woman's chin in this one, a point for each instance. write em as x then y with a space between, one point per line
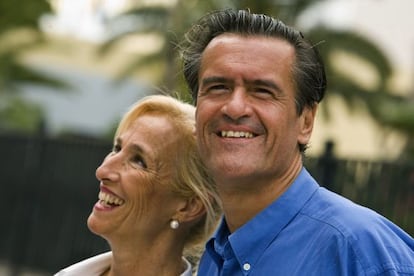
94 225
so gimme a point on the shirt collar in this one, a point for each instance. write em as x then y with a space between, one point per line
249 241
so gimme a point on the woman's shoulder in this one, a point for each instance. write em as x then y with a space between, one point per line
189 269
95 265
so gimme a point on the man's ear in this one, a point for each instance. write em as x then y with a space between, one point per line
192 210
307 119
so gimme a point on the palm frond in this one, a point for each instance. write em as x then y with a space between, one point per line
143 20
355 44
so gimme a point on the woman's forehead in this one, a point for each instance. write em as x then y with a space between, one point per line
154 133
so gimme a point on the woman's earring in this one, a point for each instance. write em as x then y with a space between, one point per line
174 224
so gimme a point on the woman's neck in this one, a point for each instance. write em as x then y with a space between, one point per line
173 268
158 258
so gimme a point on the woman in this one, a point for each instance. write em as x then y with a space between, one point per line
155 198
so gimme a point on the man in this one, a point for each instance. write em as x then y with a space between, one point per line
257 84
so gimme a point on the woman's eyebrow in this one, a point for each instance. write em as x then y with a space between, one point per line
131 147
136 148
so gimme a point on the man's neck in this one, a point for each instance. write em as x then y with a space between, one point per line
240 204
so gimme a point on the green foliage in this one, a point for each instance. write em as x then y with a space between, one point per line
394 112
170 23
388 109
19 116
385 107
18 14
18 34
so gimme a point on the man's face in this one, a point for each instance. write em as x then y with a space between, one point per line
247 125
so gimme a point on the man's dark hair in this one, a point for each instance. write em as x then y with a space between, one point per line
309 72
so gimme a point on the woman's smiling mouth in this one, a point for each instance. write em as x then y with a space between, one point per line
109 200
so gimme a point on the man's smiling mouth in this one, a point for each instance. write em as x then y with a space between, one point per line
236 134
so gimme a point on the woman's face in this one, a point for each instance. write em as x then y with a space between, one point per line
135 197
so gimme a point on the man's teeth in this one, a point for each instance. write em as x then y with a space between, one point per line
236 134
109 199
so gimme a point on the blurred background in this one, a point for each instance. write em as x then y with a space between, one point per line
69 69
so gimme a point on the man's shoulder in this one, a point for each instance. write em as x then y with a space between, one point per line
354 226
326 207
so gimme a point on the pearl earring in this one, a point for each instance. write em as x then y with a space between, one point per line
174 224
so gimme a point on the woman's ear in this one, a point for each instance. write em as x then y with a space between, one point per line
307 119
192 210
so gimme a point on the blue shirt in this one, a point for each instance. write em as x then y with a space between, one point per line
310 231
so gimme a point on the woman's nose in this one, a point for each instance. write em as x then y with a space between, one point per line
109 169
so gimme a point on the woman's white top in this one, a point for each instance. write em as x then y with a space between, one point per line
98 264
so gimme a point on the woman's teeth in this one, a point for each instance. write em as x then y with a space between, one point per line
109 199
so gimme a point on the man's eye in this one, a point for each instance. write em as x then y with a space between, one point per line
139 161
263 92
218 86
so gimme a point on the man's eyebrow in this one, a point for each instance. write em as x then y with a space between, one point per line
213 79
257 82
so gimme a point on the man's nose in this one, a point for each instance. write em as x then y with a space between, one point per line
237 104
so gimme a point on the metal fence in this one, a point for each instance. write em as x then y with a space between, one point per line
49 186
48 189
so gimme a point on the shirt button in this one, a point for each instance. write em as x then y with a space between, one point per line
246 266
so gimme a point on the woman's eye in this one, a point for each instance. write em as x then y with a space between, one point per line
116 148
138 160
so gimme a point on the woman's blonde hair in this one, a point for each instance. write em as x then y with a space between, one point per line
190 178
